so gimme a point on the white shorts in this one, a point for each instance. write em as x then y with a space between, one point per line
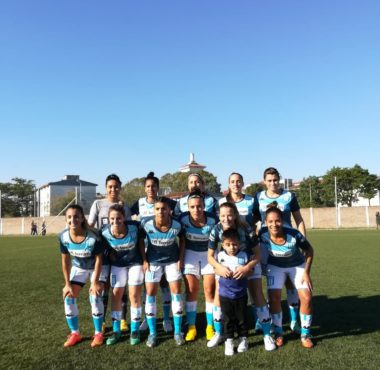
276 276
79 276
155 273
121 276
256 273
196 264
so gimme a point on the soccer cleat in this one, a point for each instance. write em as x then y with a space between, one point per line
191 334
229 347
124 325
215 340
167 325
178 338
113 339
269 343
97 340
306 341
258 327
209 332
279 340
151 341
72 339
144 325
135 338
243 345
295 327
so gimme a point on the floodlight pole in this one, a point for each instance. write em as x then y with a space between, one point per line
336 203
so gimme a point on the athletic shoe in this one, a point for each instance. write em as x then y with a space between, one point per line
229 347
97 340
168 326
191 334
243 345
295 327
124 325
215 340
151 341
143 325
258 327
72 339
269 343
113 339
279 340
178 338
135 338
209 332
306 341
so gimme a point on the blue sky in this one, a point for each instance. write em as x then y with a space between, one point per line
95 87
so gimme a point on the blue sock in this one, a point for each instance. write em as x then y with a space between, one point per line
218 325
166 302
71 311
209 310
191 312
177 309
305 324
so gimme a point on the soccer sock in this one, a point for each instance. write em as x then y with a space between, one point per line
166 301
125 305
277 322
71 312
150 313
105 303
135 318
191 312
177 308
116 318
305 324
97 309
209 309
293 303
217 315
264 318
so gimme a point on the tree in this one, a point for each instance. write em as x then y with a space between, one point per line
254 188
59 203
369 187
133 190
310 193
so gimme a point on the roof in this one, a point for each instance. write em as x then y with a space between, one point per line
72 183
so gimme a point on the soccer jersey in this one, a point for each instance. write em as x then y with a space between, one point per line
211 205
286 202
99 213
125 250
287 254
162 247
197 237
245 208
229 287
144 209
83 253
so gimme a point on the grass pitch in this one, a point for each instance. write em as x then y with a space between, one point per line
346 319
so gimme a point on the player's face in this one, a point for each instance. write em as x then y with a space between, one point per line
113 189
274 223
231 246
161 212
151 189
196 208
194 182
74 219
272 182
236 184
227 218
116 218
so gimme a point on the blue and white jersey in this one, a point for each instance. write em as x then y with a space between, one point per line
83 253
287 254
286 202
245 238
162 247
211 205
125 251
144 209
229 287
99 213
197 237
245 208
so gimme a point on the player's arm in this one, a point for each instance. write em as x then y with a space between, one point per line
220 270
142 252
299 222
96 286
182 243
309 255
66 266
245 270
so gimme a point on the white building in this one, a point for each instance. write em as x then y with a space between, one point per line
192 166
84 191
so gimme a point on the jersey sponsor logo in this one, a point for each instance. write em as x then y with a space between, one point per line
197 237
162 242
80 253
280 253
243 211
123 247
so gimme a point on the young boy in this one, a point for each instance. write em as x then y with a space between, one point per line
233 292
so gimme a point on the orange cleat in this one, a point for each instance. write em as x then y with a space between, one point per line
72 339
97 340
306 342
279 340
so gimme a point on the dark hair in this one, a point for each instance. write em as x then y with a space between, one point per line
228 196
231 205
198 175
113 177
163 200
80 209
271 171
230 234
150 176
117 208
273 209
236 173
196 193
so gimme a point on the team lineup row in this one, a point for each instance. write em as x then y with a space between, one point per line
194 237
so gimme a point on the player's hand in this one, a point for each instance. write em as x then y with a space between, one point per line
307 280
67 291
96 288
145 266
223 271
241 272
180 265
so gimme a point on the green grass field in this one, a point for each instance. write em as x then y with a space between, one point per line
346 320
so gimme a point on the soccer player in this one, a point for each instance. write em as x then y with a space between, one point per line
290 255
197 225
163 256
122 238
144 208
81 250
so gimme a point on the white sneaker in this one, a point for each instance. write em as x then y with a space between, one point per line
243 345
215 340
269 343
167 325
229 347
144 325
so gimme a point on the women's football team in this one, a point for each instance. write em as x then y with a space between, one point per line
198 239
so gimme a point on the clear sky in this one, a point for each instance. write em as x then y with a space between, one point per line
95 87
